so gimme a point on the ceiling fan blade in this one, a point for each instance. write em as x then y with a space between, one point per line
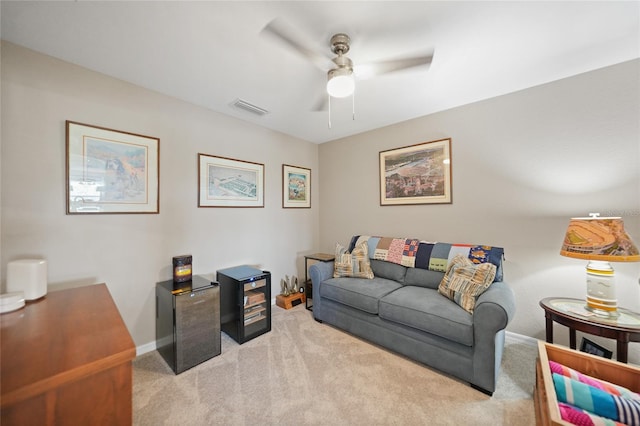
285 34
321 104
364 71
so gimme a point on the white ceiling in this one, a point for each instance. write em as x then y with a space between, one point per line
211 53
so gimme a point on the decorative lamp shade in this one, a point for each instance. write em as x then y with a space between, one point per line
599 238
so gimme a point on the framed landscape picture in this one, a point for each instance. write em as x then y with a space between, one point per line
296 187
225 182
416 174
110 171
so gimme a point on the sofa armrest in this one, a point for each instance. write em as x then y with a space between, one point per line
497 302
319 272
494 309
499 298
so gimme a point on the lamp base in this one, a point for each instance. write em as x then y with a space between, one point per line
601 290
605 309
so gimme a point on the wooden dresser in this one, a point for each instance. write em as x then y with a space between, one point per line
66 360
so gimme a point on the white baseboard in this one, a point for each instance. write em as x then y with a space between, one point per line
521 338
147 347
152 346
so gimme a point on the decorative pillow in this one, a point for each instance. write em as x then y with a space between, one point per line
464 281
354 264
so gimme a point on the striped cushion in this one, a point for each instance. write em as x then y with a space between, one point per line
354 264
464 281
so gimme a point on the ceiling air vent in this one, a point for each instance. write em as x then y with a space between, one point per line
239 103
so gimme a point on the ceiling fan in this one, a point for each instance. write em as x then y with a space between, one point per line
340 69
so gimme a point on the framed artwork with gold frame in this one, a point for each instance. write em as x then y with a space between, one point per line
296 187
416 174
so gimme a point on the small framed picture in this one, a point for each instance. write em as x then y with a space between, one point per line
226 182
296 187
592 348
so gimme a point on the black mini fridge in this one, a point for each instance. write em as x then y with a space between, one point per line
188 322
245 302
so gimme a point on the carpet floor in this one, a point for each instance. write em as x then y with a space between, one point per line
307 373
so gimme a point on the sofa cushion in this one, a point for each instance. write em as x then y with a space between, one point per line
426 310
352 264
359 293
423 278
390 271
465 281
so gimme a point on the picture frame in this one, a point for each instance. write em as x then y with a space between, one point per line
296 187
227 182
111 171
416 174
593 348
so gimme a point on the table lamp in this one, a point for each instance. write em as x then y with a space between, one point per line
599 240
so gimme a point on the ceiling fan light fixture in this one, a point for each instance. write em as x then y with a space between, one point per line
340 83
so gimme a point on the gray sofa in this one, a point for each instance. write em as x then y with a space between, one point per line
400 309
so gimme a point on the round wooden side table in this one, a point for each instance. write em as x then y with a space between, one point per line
572 313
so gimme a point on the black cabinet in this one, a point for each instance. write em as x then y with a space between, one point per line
187 322
245 302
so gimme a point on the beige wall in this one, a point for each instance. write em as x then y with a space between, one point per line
523 164
133 252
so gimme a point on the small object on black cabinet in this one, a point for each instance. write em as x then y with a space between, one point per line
182 268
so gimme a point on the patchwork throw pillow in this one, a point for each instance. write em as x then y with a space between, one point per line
464 281
354 264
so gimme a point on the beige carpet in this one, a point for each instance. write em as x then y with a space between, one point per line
307 373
